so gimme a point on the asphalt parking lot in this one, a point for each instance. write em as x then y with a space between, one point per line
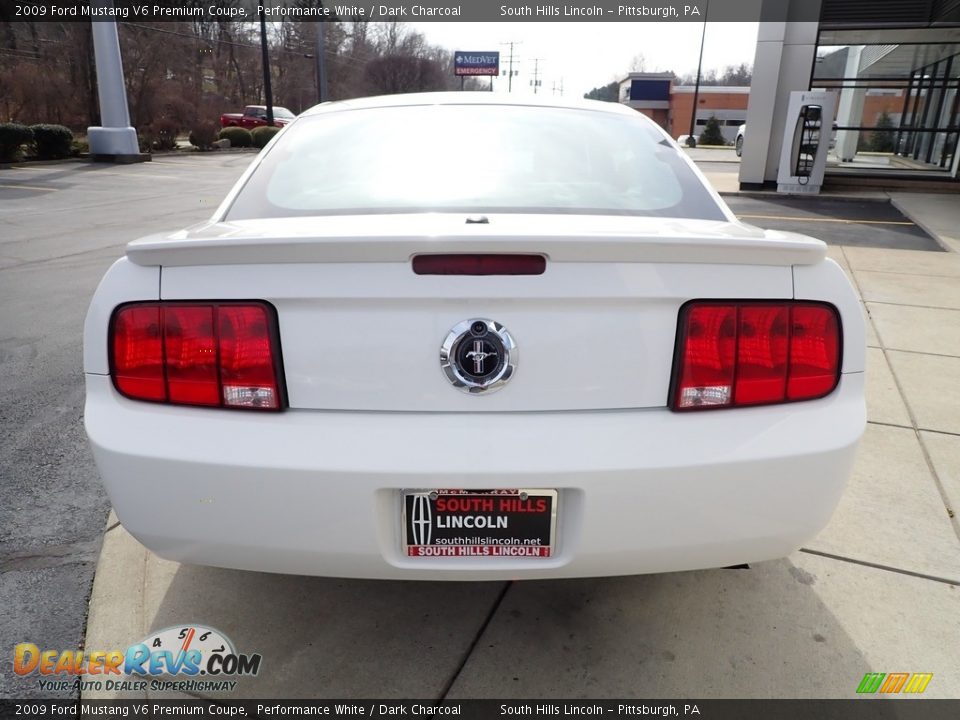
854 223
62 226
875 592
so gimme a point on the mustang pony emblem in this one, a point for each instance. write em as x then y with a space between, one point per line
478 356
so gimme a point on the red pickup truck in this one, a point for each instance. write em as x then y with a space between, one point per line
256 116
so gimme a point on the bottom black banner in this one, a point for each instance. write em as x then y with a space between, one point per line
865 708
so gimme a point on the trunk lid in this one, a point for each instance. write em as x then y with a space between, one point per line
360 331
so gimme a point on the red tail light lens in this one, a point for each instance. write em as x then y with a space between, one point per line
190 349
137 352
755 353
209 354
814 352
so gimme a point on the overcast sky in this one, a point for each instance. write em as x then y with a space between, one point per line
586 55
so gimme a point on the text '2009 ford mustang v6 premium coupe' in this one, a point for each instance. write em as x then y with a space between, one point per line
457 337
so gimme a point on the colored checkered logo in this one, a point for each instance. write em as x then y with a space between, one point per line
892 683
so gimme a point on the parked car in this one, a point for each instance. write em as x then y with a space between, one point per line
256 116
552 353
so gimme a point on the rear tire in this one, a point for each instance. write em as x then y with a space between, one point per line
740 146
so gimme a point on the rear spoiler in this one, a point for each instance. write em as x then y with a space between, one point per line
398 238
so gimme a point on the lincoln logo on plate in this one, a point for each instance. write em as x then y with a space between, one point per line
421 520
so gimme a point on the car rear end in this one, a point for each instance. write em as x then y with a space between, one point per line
269 393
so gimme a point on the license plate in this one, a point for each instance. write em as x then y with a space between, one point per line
479 523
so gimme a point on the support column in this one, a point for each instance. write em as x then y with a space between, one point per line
782 63
115 140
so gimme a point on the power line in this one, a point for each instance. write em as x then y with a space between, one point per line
536 74
510 67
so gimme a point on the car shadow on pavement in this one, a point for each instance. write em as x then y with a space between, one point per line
768 631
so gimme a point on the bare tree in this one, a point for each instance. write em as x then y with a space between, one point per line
180 74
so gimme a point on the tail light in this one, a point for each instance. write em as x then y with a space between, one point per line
734 354
474 264
194 353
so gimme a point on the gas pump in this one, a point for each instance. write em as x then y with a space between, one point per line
806 141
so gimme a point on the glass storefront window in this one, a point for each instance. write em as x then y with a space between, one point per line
898 108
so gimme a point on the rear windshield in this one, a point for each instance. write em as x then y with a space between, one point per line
471 158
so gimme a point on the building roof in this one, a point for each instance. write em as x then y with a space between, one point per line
707 89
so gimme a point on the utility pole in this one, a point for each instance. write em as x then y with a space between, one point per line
536 74
321 63
510 72
691 139
267 89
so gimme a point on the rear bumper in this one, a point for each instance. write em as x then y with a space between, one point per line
317 493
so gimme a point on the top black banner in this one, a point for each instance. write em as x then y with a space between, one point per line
408 10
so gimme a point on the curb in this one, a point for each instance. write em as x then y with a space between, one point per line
115 614
773 194
21 164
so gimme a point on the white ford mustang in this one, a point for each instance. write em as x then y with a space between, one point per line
456 337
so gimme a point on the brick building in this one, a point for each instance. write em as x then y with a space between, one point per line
670 105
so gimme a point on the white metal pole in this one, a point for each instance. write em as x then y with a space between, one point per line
114 136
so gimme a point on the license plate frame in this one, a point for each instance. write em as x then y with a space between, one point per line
517 523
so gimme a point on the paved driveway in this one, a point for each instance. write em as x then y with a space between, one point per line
61 226
860 223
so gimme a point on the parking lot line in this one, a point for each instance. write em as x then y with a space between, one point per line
827 220
149 176
29 187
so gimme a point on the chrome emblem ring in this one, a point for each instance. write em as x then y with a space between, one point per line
478 356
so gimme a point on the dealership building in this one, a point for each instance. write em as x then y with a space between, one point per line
900 56
892 67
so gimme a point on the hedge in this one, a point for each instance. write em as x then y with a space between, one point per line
12 137
52 142
262 135
238 136
203 136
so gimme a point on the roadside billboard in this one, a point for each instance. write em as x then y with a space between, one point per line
476 63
